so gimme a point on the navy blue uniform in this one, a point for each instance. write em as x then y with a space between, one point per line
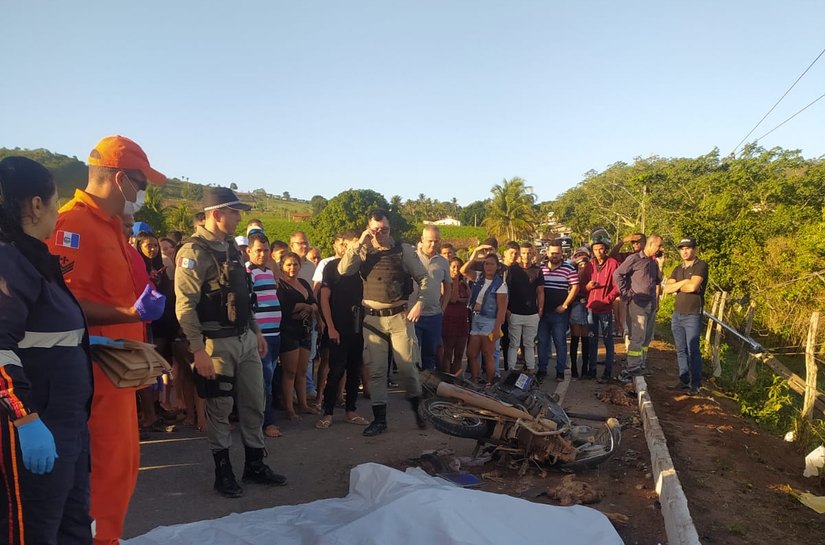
45 368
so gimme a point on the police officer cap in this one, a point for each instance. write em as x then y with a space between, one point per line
223 197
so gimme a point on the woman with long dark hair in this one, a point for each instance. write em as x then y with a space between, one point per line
456 326
298 307
45 369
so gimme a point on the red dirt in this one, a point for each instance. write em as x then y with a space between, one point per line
735 475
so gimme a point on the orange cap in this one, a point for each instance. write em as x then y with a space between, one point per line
120 152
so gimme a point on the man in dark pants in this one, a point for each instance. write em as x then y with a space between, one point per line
688 282
388 270
226 342
341 307
637 279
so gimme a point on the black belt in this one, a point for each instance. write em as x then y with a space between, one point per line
383 312
223 333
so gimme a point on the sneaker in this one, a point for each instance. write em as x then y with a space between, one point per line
679 386
559 377
604 379
391 383
693 391
540 376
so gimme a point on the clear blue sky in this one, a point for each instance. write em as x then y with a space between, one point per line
445 98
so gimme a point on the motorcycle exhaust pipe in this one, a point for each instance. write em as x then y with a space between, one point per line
483 402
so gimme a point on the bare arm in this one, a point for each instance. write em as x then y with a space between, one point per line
574 290
501 312
326 311
540 298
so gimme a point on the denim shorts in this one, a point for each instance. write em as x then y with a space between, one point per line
482 325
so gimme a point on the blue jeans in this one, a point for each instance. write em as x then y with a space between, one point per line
553 327
686 331
312 353
603 322
273 348
428 331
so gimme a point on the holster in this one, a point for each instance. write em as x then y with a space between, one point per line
220 386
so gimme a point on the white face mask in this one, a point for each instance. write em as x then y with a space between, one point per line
130 208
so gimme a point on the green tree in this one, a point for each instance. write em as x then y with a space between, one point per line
192 192
349 210
152 210
233 186
178 218
318 203
510 213
474 213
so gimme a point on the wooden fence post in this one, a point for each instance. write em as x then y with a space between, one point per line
743 357
713 308
717 366
810 369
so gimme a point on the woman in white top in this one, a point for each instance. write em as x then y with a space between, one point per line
488 303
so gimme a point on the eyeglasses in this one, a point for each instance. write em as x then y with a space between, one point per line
139 184
636 241
381 230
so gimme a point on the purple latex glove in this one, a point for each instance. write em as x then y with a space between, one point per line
150 304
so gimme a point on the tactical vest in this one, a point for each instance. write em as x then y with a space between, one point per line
228 298
385 279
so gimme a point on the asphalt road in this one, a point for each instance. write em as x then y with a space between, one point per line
177 472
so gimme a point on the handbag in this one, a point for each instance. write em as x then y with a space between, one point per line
135 364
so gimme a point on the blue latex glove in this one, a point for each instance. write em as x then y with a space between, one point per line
38 448
104 341
150 304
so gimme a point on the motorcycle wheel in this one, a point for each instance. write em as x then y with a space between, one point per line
610 436
454 419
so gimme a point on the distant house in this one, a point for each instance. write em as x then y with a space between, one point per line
301 216
446 221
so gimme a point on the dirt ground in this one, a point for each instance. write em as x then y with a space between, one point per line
735 475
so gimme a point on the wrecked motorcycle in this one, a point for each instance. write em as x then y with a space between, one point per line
517 418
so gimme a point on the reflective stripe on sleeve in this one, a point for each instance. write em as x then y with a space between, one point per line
8 357
49 339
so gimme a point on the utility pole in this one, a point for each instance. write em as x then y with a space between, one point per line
644 203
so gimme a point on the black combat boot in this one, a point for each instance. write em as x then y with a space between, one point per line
419 419
379 422
256 471
225 482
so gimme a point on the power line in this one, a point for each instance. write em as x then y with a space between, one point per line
777 104
820 97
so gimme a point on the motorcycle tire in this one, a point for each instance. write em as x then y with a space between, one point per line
454 419
612 437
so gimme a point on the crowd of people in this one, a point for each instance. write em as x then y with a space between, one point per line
260 330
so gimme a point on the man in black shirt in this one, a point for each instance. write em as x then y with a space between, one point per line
688 282
524 306
341 307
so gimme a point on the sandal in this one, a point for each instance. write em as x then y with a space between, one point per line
272 431
358 420
324 423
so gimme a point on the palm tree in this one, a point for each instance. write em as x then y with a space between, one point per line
510 213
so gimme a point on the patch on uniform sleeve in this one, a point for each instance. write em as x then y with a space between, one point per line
66 265
67 239
187 263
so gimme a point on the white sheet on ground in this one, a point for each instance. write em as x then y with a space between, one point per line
385 506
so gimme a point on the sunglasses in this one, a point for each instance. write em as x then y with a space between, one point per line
636 241
381 230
